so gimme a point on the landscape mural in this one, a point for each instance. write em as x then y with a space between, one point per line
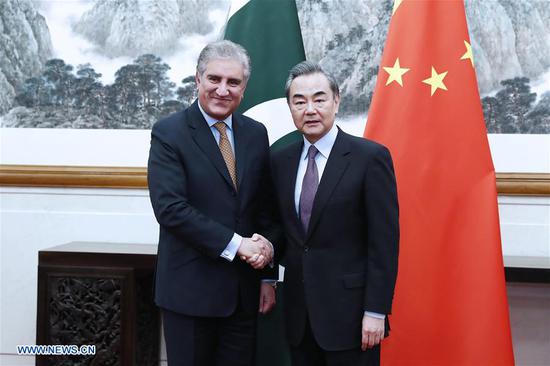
122 64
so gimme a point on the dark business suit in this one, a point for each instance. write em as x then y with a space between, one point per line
199 210
347 261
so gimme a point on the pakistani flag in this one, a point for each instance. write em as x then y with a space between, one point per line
270 31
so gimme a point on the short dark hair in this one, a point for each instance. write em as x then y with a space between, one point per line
308 68
224 50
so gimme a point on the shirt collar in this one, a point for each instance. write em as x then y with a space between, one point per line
324 144
211 120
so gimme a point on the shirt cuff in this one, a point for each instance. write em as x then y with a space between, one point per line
375 315
231 249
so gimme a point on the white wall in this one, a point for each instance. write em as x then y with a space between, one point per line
32 219
525 227
130 148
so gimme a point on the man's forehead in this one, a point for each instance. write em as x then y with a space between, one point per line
224 64
310 84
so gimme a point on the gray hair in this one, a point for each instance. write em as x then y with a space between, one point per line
308 68
224 50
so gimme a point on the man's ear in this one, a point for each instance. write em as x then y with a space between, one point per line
244 89
197 78
337 102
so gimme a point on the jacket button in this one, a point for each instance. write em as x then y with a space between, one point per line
306 249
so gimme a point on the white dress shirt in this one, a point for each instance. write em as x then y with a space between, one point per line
324 145
233 246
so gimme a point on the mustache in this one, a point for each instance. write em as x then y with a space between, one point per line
222 98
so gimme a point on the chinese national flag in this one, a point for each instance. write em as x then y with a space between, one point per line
450 305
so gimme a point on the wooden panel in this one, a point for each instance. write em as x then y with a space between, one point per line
72 176
525 184
99 294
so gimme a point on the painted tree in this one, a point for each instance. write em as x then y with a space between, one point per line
89 93
187 92
59 76
539 117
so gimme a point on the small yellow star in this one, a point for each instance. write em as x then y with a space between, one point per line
436 80
468 55
395 73
396 4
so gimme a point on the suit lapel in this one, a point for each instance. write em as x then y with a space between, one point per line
240 140
288 186
203 137
337 164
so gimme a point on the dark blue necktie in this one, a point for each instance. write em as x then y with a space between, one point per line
309 187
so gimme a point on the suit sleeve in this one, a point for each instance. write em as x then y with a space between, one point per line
268 218
280 236
382 221
167 179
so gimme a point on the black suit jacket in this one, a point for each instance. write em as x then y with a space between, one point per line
198 210
347 261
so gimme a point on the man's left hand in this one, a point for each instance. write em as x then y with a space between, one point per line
372 332
267 298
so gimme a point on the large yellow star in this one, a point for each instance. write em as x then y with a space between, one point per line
436 80
468 55
395 73
396 4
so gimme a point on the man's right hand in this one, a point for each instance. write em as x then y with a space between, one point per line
257 251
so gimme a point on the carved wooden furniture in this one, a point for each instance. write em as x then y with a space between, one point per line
98 294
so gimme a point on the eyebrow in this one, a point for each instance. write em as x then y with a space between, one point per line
237 80
319 93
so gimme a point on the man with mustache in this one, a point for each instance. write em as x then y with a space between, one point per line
209 183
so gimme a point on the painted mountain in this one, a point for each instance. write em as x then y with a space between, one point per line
25 46
132 61
133 28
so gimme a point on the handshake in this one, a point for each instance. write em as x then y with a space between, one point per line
256 251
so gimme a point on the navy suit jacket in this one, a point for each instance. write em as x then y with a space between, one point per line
198 210
347 261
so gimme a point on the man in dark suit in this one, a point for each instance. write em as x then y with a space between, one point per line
338 203
209 183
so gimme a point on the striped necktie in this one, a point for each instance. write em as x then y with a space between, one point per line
227 152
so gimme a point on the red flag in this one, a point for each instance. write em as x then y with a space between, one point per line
450 305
